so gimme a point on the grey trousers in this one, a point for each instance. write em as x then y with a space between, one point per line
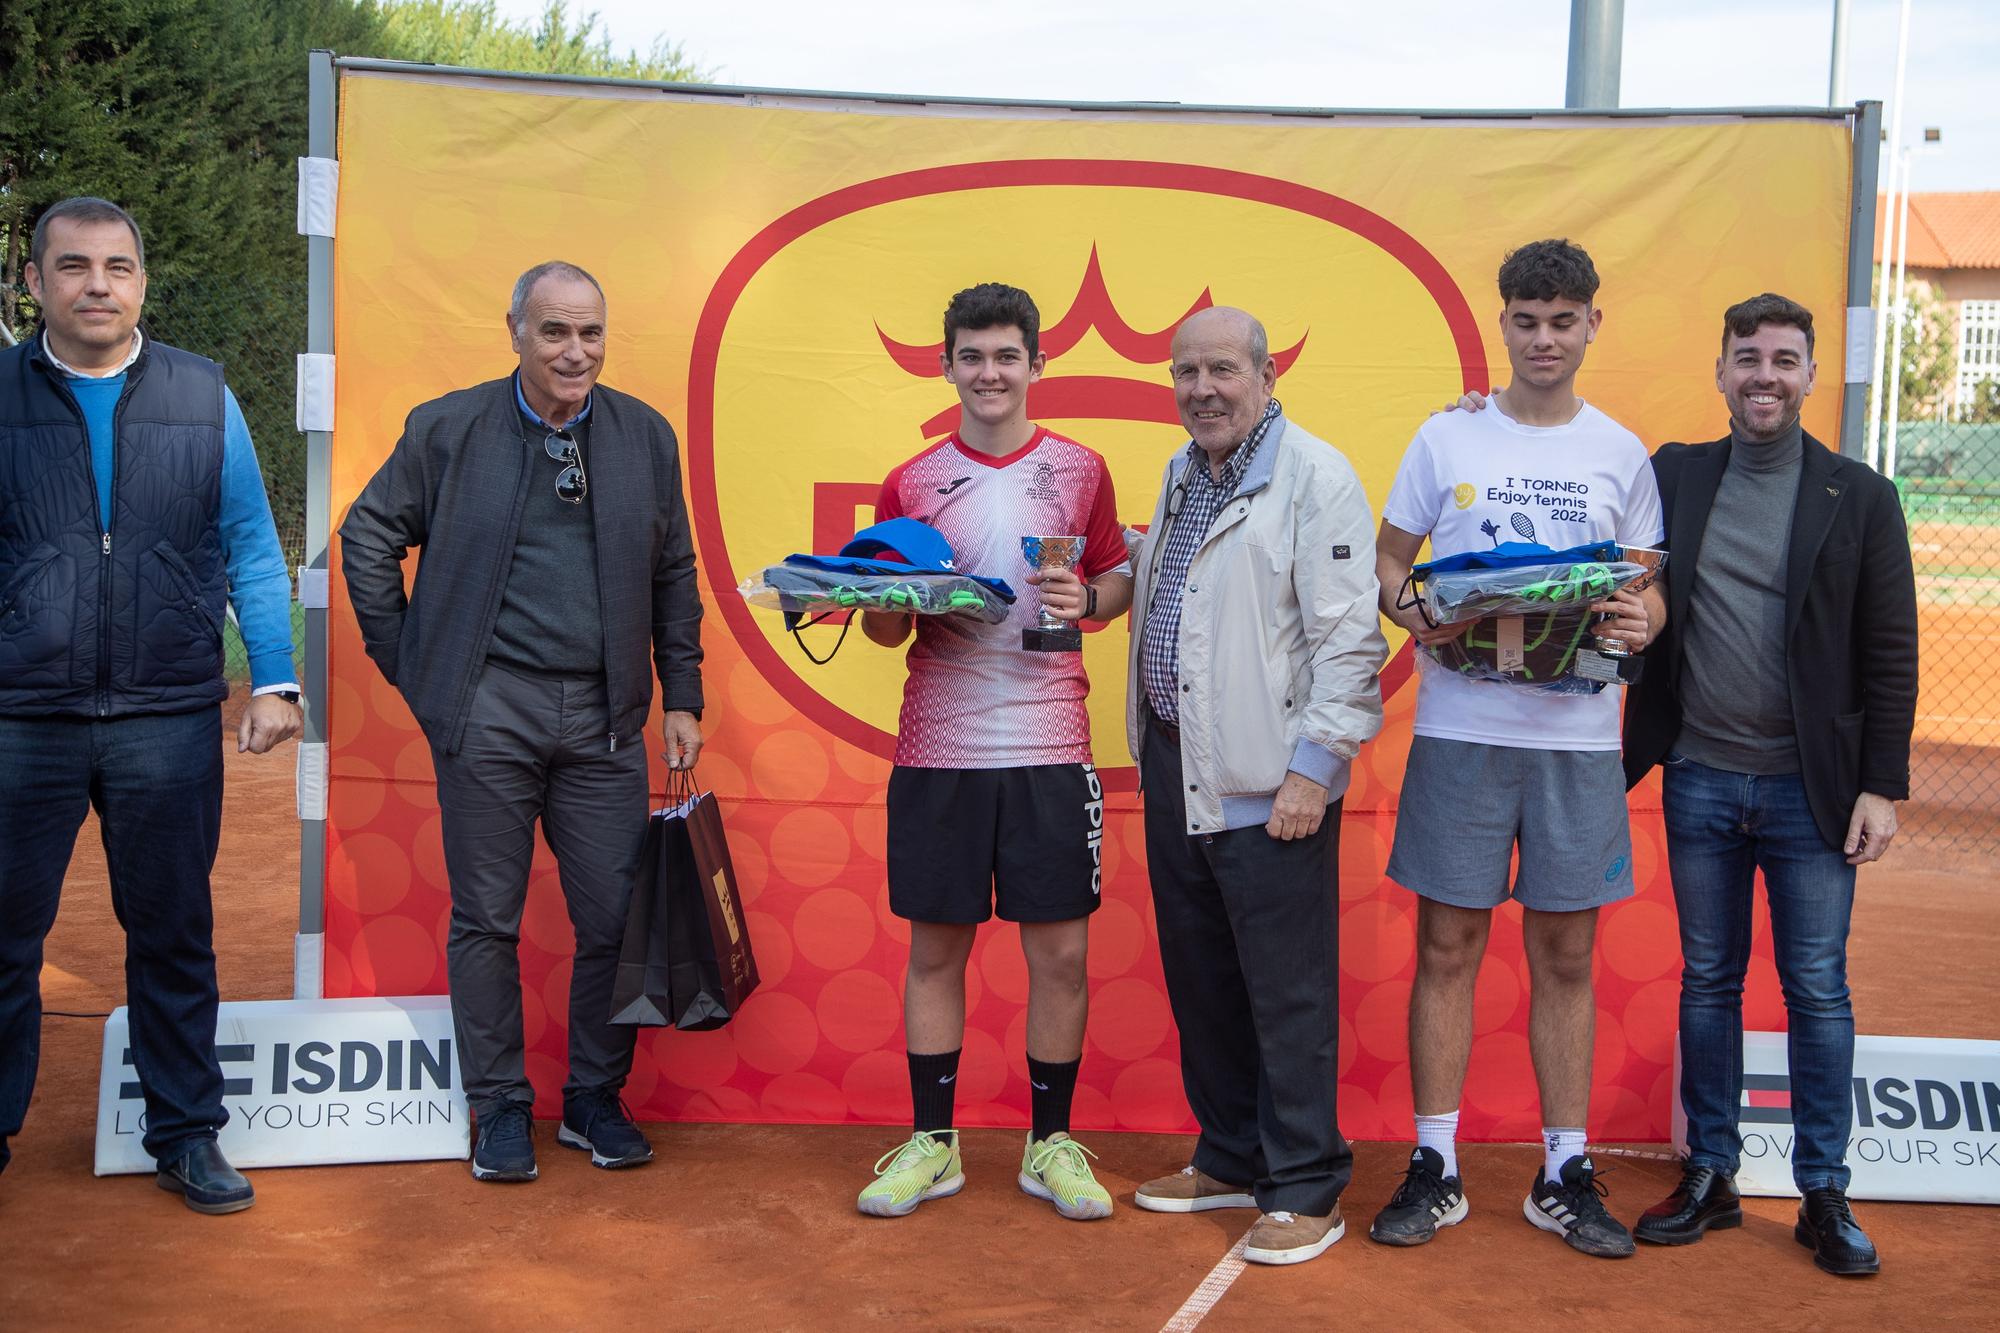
537 748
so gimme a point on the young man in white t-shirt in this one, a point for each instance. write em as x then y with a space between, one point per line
1496 766
993 803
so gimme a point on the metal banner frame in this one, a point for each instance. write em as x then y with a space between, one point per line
324 69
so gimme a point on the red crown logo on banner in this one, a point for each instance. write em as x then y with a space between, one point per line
1099 397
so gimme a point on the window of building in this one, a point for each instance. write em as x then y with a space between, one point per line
1978 348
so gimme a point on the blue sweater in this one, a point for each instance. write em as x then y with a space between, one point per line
260 588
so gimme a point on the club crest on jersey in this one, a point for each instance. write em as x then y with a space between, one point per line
1043 487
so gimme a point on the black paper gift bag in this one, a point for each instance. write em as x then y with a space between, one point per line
686 960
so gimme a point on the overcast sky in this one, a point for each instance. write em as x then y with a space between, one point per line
1352 53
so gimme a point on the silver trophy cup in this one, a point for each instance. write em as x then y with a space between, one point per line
1606 644
1049 634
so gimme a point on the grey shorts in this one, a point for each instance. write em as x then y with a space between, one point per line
1464 808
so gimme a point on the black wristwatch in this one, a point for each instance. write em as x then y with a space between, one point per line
1090 601
289 696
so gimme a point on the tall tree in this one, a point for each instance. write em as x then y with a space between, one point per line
1930 355
188 112
470 33
192 113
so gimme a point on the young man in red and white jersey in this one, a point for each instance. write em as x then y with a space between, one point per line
994 804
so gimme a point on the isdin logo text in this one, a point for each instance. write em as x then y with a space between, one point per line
815 367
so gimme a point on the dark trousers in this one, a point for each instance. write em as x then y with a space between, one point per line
537 748
156 784
1249 943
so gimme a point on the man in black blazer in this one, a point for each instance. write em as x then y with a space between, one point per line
1779 701
557 577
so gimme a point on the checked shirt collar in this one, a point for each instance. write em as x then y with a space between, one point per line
1192 504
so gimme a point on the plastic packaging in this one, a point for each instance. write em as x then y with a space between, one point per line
1523 590
801 590
1528 617
1537 652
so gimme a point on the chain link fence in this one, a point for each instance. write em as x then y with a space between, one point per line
1949 476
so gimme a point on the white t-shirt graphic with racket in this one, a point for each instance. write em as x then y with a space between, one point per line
1473 480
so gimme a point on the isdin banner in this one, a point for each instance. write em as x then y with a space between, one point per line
776 269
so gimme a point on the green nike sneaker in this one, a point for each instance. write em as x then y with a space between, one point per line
1054 1169
924 1168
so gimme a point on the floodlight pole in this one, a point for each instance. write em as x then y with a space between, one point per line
1836 75
1895 394
1878 375
1596 45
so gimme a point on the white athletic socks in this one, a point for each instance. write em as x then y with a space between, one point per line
1439 1133
1558 1146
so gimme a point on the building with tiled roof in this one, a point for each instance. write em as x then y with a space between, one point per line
1954 249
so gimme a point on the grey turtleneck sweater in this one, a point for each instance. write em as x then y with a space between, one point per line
1736 702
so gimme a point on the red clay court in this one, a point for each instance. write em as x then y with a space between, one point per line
754 1226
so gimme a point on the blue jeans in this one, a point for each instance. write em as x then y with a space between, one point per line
1721 828
156 784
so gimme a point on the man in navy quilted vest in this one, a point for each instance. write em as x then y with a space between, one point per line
132 514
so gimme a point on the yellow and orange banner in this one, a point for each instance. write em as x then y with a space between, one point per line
777 270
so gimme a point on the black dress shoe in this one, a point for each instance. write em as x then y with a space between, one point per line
1827 1228
1706 1199
205 1180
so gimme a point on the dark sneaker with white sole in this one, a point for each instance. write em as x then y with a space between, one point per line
1573 1208
504 1148
600 1123
1426 1200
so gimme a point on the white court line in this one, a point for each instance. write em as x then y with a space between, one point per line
1635 1152
1196 1307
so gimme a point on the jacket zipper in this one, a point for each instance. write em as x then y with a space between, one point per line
524 479
104 559
603 627
61 382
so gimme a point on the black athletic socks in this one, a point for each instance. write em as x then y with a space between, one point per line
933 1089
1051 1089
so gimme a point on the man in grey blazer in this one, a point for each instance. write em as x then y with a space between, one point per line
555 562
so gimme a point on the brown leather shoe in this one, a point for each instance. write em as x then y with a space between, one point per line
1290 1238
1191 1191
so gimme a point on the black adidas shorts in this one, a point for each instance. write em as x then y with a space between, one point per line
965 842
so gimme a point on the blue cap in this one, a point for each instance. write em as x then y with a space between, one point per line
922 547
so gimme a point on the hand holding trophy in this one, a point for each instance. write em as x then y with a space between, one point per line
1050 634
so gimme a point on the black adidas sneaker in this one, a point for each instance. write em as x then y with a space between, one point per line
1573 1208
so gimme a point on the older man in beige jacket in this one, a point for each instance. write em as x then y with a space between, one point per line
1252 684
